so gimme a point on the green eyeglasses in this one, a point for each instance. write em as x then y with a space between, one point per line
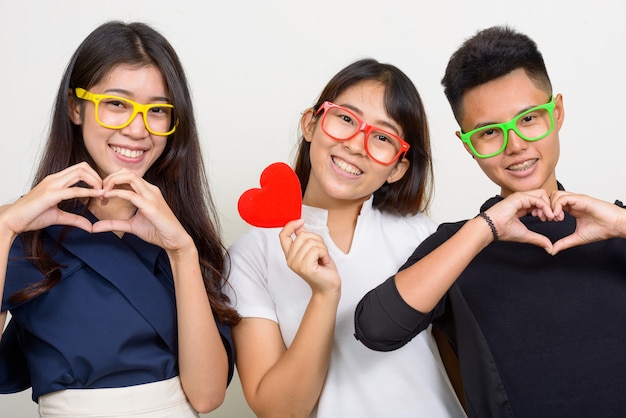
115 112
532 125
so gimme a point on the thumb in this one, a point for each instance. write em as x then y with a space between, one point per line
540 241
566 242
285 234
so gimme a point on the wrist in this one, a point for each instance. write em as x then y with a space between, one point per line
7 234
183 253
492 226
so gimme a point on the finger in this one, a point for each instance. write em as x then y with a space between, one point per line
309 256
566 242
286 234
109 225
538 194
560 203
538 240
70 219
125 177
76 173
536 207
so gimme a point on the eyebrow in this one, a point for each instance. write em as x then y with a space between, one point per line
380 123
481 125
115 91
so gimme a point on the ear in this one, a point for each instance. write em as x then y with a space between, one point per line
74 108
559 112
399 170
307 124
467 148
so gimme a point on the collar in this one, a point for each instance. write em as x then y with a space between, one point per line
318 217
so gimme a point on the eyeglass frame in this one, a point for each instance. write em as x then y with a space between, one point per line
510 125
363 127
96 98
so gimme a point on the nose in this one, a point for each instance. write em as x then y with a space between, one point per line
514 143
356 144
136 128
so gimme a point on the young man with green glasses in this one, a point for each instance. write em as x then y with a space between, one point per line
532 292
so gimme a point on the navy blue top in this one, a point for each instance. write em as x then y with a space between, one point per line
110 322
536 335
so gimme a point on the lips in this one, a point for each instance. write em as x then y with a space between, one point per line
128 153
522 166
346 167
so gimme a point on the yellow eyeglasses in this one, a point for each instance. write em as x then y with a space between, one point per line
115 112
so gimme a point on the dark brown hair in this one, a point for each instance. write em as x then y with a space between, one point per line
412 193
179 172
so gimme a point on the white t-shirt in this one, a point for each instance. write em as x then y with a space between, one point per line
408 382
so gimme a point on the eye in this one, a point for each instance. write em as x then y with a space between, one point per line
115 103
159 109
487 133
346 118
382 137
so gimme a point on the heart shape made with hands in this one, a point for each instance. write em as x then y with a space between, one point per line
278 201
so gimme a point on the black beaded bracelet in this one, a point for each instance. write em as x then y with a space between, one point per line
487 219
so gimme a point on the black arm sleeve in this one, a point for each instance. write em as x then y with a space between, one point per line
384 321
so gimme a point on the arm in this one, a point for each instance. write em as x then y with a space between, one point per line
202 357
6 239
279 381
424 283
38 209
203 362
393 313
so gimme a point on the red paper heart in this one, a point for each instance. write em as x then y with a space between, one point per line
278 201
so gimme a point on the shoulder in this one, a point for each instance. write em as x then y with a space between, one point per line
22 272
254 241
250 255
419 224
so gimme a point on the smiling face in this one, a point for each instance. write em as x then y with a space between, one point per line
523 165
342 172
131 147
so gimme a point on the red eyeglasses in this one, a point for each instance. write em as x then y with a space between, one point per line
342 124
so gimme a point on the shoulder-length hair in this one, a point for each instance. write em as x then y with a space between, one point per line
412 193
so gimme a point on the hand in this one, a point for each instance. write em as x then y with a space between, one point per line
38 208
506 213
596 220
308 256
153 220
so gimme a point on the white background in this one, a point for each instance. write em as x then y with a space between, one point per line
253 66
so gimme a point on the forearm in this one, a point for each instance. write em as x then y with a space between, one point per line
423 284
292 386
203 361
6 240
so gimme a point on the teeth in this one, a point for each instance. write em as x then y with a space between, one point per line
125 152
348 168
524 166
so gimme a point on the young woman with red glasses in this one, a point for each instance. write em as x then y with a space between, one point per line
113 262
364 164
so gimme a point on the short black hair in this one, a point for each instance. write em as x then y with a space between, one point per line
489 54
